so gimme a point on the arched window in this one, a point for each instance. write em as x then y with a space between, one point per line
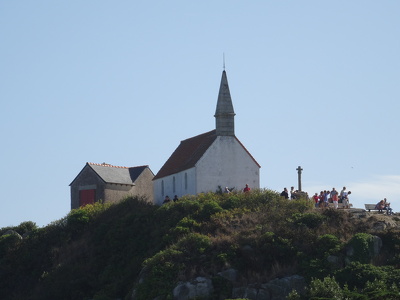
185 181
162 188
173 184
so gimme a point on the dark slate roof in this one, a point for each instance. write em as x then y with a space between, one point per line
114 174
187 154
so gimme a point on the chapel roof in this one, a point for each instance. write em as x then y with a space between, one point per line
115 174
187 154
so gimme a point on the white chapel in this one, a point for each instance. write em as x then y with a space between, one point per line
210 160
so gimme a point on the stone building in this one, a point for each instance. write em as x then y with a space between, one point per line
210 160
109 183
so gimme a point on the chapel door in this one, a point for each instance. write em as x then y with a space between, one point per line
86 197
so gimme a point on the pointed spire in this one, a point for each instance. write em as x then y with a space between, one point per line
224 114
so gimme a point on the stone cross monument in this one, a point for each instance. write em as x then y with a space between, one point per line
299 169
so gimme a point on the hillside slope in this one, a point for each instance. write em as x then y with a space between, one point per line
133 250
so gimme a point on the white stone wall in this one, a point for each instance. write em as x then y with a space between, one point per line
181 188
226 163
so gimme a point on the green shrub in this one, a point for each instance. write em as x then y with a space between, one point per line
26 227
8 242
301 205
310 220
356 275
362 244
77 219
293 295
161 274
328 244
206 210
327 288
193 243
231 201
379 289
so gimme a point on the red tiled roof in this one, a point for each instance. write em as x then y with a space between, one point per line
187 154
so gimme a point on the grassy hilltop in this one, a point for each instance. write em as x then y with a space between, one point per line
105 251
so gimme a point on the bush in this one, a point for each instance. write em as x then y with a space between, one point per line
309 220
327 288
356 275
8 242
77 219
379 289
328 244
362 245
206 210
193 244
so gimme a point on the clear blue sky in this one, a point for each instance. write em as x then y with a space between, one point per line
313 83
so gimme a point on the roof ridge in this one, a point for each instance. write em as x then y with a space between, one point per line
143 166
199 135
112 166
107 165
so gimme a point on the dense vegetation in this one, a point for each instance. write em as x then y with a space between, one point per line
105 251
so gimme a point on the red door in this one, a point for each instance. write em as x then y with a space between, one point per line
86 197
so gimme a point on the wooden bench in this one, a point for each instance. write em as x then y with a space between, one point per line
370 207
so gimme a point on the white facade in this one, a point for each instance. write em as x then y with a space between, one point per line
226 163
182 183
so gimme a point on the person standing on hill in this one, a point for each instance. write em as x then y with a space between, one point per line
321 199
285 193
292 193
343 193
316 199
246 189
335 198
346 201
326 198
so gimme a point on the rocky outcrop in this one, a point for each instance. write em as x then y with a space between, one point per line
201 287
229 274
377 221
14 233
277 289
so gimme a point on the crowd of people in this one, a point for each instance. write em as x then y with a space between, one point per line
322 199
325 197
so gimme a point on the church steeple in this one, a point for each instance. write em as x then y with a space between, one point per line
224 114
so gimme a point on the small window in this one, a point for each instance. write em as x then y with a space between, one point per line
162 187
173 184
185 181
